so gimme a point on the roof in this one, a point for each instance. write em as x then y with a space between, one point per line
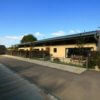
66 37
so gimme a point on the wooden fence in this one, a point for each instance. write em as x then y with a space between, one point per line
29 54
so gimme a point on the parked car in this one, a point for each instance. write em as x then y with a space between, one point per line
2 49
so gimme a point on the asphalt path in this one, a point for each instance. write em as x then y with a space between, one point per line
62 84
13 87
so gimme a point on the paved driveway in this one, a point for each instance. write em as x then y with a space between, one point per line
65 85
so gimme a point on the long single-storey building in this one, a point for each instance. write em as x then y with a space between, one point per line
66 46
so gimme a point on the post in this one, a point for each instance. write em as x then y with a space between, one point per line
98 42
87 61
30 51
97 38
43 53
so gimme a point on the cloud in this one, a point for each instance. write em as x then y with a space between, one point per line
13 37
73 31
59 33
62 33
39 35
10 40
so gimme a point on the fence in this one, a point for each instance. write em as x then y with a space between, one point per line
45 55
94 59
29 54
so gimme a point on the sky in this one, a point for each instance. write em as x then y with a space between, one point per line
46 18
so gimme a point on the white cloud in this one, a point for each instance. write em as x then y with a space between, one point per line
39 35
10 40
59 33
13 37
62 33
73 31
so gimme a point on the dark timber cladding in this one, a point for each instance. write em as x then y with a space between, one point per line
89 37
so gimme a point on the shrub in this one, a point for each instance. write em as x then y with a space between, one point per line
94 59
56 60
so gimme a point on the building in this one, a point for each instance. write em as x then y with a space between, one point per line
66 46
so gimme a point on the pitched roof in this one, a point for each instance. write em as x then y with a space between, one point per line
66 37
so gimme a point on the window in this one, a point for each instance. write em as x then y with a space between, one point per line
55 50
77 52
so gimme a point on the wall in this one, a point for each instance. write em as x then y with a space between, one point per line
40 48
25 48
60 49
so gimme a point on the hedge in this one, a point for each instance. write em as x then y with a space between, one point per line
94 59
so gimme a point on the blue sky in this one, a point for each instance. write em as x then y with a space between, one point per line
46 18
